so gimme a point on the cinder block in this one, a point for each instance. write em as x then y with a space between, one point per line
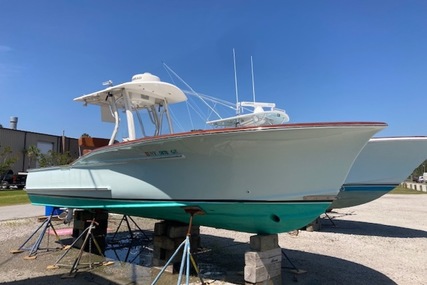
160 228
255 274
314 226
273 281
166 242
177 231
79 224
178 256
264 242
158 262
263 258
195 242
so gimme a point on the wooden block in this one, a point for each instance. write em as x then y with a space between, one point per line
264 242
255 274
263 258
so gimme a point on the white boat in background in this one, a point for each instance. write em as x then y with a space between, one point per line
250 179
247 114
258 117
380 167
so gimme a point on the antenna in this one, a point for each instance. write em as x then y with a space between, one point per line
253 79
108 83
235 83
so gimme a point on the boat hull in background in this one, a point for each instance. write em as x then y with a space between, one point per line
381 166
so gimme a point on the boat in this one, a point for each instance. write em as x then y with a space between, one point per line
250 179
257 117
380 167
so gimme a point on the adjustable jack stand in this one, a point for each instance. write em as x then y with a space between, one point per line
187 256
34 249
88 237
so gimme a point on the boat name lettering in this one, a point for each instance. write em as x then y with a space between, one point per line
161 152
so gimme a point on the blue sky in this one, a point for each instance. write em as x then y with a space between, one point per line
319 60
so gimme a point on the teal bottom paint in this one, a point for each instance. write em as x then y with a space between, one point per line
252 217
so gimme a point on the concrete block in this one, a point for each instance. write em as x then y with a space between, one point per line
79 224
314 226
158 262
177 231
273 281
263 258
195 242
264 242
160 228
167 242
255 274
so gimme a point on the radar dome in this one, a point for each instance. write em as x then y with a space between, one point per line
145 77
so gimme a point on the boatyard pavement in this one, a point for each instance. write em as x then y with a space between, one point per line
382 242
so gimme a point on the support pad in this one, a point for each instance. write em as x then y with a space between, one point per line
263 265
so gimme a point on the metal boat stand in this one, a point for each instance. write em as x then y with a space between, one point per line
115 244
186 256
43 228
88 240
126 219
330 219
293 268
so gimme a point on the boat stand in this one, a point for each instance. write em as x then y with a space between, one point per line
330 219
186 256
293 268
115 244
126 219
88 239
43 228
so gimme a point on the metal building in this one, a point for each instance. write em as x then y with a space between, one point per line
20 141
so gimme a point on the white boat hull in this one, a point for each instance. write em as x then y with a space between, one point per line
263 166
381 166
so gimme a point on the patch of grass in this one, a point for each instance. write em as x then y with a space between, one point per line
402 190
13 197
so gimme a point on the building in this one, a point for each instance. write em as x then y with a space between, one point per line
19 141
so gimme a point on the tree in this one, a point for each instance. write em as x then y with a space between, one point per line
53 158
6 159
32 153
420 169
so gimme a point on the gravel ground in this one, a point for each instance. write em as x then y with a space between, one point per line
382 242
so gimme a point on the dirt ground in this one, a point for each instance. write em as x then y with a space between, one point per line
382 242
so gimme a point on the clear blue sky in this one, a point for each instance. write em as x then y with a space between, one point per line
363 60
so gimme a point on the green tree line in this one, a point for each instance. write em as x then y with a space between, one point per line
52 158
420 169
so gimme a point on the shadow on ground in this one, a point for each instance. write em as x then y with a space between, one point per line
322 269
219 258
82 278
369 229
